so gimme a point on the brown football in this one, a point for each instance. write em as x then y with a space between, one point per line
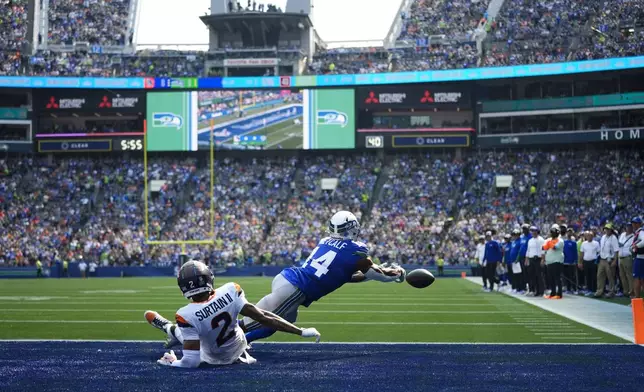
420 278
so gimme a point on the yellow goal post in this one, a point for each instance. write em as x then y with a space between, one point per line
183 243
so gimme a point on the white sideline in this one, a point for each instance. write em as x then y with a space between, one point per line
341 343
613 319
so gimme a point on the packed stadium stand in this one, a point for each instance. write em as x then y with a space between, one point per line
96 38
268 211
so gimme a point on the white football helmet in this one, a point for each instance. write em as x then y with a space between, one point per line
344 224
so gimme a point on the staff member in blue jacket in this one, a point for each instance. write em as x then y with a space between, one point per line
515 245
493 255
523 249
570 262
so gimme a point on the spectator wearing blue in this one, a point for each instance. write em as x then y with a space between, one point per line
570 263
516 279
507 247
523 250
493 255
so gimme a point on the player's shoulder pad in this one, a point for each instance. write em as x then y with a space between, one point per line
233 288
182 319
360 249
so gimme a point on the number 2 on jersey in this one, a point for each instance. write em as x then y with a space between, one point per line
320 264
222 338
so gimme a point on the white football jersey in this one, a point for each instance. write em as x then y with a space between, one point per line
214 324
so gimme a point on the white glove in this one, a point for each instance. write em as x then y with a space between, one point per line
403 274
167 359
311 333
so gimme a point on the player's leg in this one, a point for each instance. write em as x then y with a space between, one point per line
173 334
283 300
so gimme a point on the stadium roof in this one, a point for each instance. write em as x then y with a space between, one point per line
239 21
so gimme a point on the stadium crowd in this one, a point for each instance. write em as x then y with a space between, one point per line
524 32
97 22
453 19
414 208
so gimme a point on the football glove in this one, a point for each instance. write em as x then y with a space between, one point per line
403 275
311 333
167 359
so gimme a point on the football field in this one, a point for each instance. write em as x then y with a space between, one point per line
89 335
451 310
286 135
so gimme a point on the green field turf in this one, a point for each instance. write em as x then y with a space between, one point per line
233 116
286 133
451 310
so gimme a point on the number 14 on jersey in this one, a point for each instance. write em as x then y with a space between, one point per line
320 264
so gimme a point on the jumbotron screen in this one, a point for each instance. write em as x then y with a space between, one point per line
251 120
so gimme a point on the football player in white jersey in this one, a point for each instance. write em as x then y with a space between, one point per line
207 327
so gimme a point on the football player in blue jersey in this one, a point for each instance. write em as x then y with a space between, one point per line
338 259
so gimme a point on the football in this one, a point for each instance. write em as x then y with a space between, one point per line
420 278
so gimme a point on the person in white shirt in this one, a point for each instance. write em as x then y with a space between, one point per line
589 252
533 259
92 268
625 242
478 256
82 267
608 250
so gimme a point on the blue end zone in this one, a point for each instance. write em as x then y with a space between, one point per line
79 366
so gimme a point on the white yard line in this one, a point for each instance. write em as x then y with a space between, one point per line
561 333
572 337
607 317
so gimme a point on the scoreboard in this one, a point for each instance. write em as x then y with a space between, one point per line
101 143
268 119
414 138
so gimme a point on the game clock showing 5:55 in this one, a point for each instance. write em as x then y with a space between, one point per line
130 144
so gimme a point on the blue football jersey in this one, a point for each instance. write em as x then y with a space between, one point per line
330 265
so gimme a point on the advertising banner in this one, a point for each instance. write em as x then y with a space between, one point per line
89 101
413 97
566 137
331 119
171 121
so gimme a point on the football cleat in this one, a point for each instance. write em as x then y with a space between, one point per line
156 320
160 322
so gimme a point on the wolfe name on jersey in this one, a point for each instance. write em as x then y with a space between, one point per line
331 264
214 324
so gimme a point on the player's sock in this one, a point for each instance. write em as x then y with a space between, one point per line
259 333
174 336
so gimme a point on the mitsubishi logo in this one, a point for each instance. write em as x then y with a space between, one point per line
105 102
427 97
371 98
52 104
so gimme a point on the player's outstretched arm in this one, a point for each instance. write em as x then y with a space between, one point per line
274 321
372 271
358 277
